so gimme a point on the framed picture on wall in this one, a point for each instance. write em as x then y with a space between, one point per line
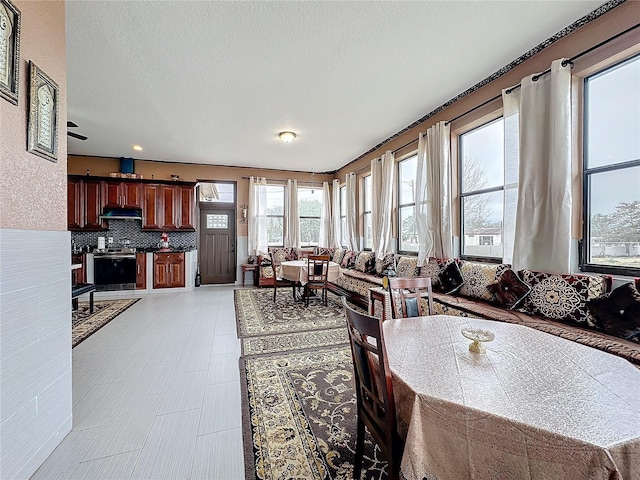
9 51
42 134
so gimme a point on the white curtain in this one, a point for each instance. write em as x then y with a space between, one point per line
257 215
433 194
543 219
352 234
335 215
292 219
382 181
325 218
511 106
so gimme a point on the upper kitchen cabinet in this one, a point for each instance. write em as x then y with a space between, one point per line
151 210
186 217
168 207
119 194
84 204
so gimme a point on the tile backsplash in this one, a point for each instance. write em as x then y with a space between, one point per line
121 229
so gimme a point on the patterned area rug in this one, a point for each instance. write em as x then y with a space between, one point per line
85 324
294 341
300 417
257 315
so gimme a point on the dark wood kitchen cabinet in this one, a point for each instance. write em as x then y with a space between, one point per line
168 270
186 215
141 271
84 204
168 206
151 211
119 194
79 274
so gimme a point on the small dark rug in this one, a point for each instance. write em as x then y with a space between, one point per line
257 314
299 417
85 324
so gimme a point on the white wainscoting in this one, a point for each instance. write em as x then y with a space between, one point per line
35 347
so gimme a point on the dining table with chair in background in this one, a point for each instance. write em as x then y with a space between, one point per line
533 405
304 273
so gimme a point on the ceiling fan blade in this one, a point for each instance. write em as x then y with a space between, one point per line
75 135
71 124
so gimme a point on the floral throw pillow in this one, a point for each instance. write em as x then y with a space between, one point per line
509 291
477 277
618 313
562 297
338 255
407 267
365 262
346 260
385 263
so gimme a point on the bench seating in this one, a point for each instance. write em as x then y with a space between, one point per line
80 289
474 300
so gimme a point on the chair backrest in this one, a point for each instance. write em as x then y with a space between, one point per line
410 296
318 269
374 391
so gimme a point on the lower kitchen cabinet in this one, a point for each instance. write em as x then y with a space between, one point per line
141 271
168 270
79 274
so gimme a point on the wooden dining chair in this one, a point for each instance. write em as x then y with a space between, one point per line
410 296
279 281
317 275
374 390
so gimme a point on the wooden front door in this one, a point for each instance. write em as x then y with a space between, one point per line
217 252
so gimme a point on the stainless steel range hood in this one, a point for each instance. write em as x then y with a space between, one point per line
121 214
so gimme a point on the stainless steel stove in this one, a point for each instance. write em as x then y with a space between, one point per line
115 269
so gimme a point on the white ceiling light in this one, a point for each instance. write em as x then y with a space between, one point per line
287 137
137 148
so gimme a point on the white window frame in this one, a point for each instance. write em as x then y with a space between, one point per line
405 205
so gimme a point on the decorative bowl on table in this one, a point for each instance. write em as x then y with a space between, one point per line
478 336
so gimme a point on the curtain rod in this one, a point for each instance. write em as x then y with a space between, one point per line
285 181
536 77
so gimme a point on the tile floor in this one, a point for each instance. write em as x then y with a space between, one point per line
156 394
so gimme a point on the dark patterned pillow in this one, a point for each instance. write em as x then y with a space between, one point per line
385 263
346 260
326 251
618 313
451 278
281 254
338 255
509 290
407 267
562 297
365 261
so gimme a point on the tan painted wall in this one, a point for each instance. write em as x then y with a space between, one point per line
33 192
99 166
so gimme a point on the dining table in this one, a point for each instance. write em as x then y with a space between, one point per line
533 406
297 271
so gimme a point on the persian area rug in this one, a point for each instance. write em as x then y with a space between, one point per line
299 417
257 314
294 341
85 324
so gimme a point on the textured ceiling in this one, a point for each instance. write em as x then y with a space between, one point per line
214 82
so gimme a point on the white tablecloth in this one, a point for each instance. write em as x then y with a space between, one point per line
535 406
296 271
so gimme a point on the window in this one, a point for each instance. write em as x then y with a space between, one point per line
344 241
309 211
408 234
612 169
210 192
481 191
367 201
275 215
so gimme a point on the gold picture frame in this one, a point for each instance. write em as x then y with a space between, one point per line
9 51
42 136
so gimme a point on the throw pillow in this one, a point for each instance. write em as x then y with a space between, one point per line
477 277
451 278
353 259
385 263
618 313
562 297
346 260
407 267
432 269
509 290
365 261
338 255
